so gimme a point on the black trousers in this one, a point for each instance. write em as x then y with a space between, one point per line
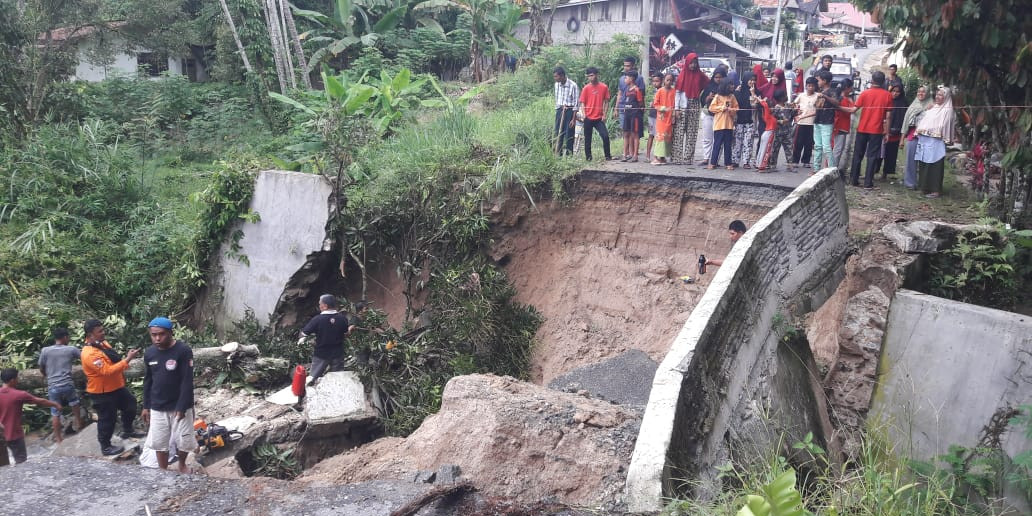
600 125
870 145
564 130
108 405
891 156
803 145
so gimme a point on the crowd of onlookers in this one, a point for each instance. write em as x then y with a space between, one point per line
749 119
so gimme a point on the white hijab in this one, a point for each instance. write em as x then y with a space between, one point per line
939 120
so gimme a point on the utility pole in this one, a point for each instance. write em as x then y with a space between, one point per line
646 31
777 30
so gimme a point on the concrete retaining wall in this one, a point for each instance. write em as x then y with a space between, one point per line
730 372
946 369
294 209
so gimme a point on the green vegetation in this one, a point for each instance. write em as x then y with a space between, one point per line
991 266
964 482
982 50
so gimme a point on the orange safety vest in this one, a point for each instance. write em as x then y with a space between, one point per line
102 376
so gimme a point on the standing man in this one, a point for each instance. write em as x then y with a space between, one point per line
55 362
567 95
824 64
105 383
11 402
330 328
893 80
168 394
874 104
621 96
594 99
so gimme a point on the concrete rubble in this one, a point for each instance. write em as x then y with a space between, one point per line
512 439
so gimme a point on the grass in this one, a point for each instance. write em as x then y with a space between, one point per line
957 204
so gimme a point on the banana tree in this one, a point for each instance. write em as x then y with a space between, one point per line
486 30
353 22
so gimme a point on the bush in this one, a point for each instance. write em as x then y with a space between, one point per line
535 81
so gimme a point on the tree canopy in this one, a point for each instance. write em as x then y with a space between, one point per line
982 49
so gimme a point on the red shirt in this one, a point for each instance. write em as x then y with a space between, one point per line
843 119
769 122
875 103
11 401
594 96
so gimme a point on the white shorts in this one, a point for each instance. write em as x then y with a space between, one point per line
165 429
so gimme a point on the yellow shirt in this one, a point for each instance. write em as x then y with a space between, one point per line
723 114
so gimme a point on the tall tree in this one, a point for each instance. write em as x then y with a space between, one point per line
983 49
236 36
40 41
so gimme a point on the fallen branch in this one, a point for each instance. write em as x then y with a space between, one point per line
430 496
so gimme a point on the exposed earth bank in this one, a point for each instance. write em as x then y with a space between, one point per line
604 268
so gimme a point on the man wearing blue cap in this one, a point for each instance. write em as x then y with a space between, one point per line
168 394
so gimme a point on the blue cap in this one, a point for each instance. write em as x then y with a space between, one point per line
161 322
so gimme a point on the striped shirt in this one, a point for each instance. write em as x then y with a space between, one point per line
566 94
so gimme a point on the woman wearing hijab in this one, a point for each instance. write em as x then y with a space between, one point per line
733 77
706 122
745 128
911 118
890 149
934 133
690 83
768 87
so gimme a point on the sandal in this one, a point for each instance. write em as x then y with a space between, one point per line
746 166
730 167
634 159
657 163
710 167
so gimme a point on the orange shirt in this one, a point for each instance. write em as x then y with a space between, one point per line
102 375
875 103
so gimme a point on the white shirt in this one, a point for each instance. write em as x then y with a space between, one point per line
566 94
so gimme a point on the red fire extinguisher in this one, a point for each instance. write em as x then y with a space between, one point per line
298 385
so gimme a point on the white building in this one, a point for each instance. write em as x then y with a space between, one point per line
104 55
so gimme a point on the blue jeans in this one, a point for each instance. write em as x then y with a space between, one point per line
822 145
63 394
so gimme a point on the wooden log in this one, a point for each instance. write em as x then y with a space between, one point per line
242 355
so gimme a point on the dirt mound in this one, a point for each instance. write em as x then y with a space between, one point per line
512 439
604 268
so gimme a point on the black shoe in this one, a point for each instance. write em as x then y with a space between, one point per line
132 435
111 450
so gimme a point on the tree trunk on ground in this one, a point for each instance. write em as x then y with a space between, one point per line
236 36
295 41
245 357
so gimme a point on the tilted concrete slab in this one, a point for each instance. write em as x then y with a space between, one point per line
947 367
723 367
337 397
294 209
